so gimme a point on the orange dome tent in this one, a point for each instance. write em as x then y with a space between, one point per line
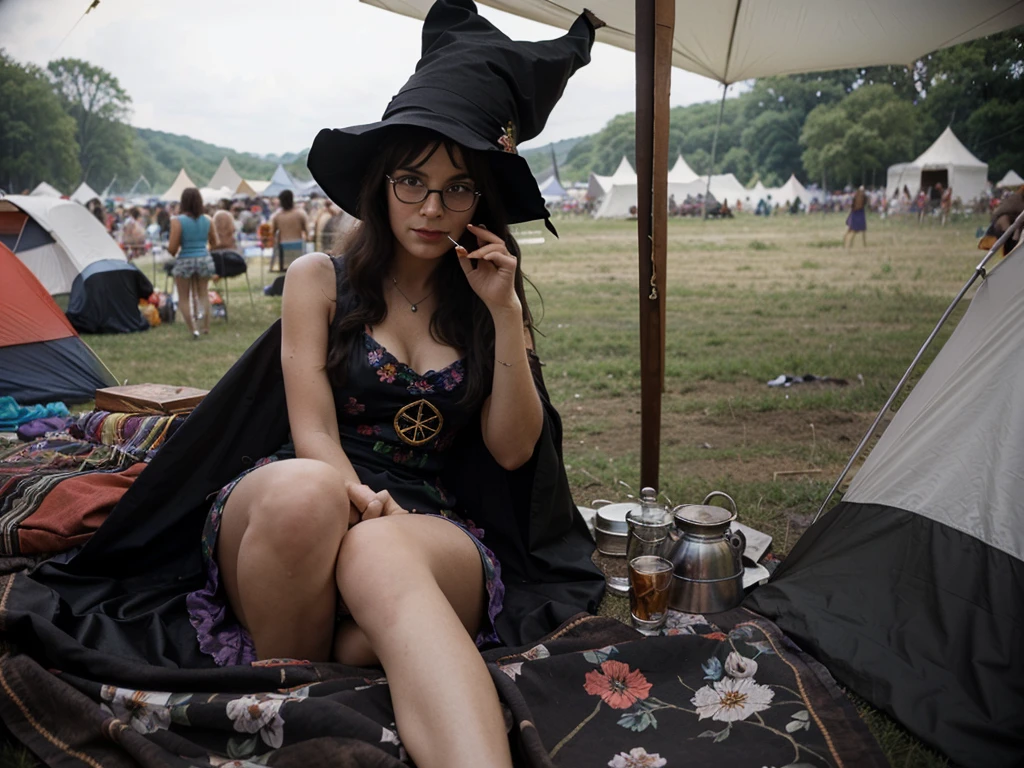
42 358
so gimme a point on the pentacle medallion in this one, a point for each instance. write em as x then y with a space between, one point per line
418 422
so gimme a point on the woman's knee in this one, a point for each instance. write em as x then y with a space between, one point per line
304 510
377 563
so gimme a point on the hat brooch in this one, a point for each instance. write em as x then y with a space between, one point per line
507 140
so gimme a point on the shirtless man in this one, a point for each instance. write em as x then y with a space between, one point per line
289 226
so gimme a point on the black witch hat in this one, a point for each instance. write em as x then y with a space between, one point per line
474 85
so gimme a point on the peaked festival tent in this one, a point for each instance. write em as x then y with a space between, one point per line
279 182
71 254
252 187
948 162
42 358
598 186
551 190
180 184
911 590
681 172
1011 179
789 192
46 190
225 176
84 194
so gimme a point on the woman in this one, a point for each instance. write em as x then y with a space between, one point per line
193 265
345 544
857 220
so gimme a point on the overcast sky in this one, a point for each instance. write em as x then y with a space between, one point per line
264 77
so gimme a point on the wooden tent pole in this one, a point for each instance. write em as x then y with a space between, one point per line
654 26
664 20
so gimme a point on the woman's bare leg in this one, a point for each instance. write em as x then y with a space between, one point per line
203 288
184 285
277 549
415 587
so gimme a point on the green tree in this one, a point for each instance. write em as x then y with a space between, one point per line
855 141
100 107
37 139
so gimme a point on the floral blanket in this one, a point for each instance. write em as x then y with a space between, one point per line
594 693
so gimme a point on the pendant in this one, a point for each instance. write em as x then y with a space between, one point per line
412 307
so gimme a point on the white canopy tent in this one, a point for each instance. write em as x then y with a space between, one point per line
946 161
681 172
44 189
759 192
1011 179
789 192
733 41
225 176
181 183
84 194
599 185
736 40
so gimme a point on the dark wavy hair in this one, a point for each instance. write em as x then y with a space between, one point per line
191 202
461 320
287 199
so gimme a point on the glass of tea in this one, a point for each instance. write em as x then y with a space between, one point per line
650 577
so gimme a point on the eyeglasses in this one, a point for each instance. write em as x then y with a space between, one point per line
456 197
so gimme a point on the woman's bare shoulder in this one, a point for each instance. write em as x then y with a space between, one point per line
312 277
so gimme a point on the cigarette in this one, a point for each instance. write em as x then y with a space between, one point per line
454 241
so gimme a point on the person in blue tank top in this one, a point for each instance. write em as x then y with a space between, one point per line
193 265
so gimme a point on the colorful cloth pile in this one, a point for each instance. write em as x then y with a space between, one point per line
13 415
55 492
137 435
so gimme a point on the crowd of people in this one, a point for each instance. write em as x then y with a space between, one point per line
201 235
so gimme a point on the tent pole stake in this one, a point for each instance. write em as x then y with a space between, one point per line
979 271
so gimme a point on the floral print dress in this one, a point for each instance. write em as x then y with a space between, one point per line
396 426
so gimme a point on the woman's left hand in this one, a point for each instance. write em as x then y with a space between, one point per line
490 270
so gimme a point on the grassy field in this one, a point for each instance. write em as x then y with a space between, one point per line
748 300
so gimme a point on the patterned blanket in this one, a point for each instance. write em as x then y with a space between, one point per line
593 693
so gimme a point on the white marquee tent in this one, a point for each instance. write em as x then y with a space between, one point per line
600 185
948 162
1011 179
84 194
789 192
681 172
46 190
181 183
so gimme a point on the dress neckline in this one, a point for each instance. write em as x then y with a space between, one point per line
431 373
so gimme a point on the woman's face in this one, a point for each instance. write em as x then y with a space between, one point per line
421 229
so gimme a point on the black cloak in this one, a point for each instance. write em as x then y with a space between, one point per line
120 601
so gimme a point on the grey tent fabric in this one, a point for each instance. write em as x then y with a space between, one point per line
911 591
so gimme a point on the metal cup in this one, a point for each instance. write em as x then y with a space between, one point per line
650 577
647 535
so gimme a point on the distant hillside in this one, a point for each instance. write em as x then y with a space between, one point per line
539 158
161 155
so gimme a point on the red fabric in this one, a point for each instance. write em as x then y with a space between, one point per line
29 313
73 510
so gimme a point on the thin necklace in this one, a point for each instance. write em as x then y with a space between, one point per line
412 304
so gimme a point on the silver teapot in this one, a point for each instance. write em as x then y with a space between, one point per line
707 555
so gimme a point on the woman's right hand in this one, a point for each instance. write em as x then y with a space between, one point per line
366 504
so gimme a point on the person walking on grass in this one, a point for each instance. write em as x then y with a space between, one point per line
193 265
857 220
